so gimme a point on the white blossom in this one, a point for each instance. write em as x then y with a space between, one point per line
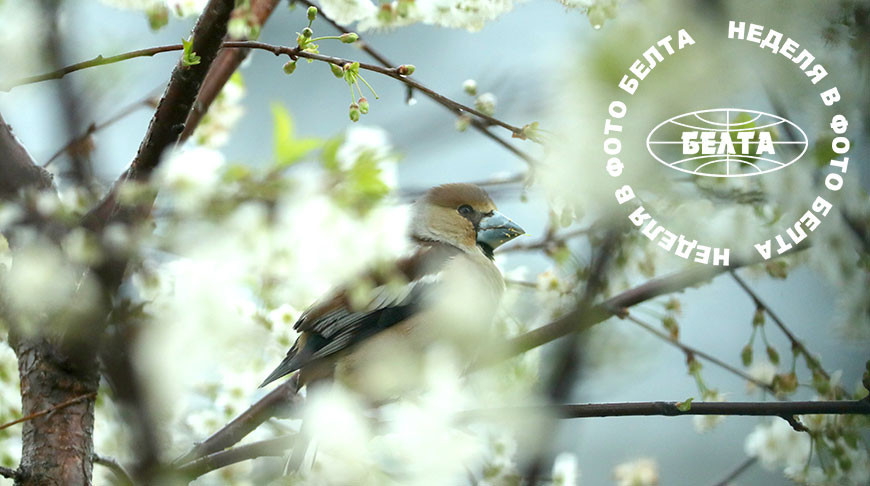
348 11
706 423
777 444
639 472
565 470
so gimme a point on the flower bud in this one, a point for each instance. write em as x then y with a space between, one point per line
289 67
462 123
406 69
354 112
307 32
746 355
349 37
363 105
312 13
337 71
485 103
470 87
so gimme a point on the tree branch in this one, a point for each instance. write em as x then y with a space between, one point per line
8 473
689 350
19 170
481 126
168 121
265 448
275 403
795 342
227 62
293 52
673 409
113 465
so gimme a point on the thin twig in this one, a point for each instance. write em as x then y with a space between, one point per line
549 242
688 350
47 411
97 61
293 52
740 469
113 465
477 124
795 342
96 127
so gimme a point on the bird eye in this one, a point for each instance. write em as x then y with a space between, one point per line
465 210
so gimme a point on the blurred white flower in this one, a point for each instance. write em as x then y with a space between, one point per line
42 281
706 423
134 4
186 8
348 11
777 444
485 103
640 472
763 371
374 142
565 470
190 176
216 125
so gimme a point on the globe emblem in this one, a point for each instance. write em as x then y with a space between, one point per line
727 142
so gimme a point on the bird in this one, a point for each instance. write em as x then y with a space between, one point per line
447 288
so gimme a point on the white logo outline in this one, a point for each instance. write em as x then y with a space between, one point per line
729 127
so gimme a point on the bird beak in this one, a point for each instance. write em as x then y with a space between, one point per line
496 229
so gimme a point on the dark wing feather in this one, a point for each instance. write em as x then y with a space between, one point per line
334 325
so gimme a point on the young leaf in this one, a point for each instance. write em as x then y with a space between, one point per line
288 148
189 58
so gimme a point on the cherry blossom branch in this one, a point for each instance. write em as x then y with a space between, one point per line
796 343
275 447
174 107
785 410
97 61
276 402
691 351
293 52
481 125
222 69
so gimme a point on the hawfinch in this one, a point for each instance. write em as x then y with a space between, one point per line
447 288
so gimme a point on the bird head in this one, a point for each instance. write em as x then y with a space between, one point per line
462 215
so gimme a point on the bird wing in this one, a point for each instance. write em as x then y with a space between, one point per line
335 324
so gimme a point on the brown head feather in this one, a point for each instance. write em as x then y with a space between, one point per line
454 195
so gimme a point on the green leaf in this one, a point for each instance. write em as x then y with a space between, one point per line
189 58
329 155
685 405
288 148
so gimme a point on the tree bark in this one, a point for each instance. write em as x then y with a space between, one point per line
57 448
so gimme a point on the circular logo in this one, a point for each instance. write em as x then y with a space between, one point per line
725 142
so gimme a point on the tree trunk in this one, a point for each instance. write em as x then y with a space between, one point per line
57 448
